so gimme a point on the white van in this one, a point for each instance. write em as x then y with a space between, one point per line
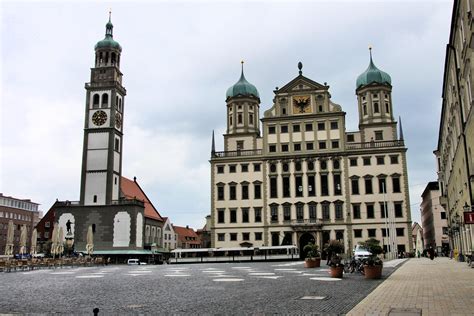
360 252
133 262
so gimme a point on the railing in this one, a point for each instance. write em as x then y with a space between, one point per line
376 144
114 202
237 153
306 224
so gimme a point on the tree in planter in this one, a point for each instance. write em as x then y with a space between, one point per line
313 256
334 248
373 265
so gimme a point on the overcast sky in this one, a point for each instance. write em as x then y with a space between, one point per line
178 59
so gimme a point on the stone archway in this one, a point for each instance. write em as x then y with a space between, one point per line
305 239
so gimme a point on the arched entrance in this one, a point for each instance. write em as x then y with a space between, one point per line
305 239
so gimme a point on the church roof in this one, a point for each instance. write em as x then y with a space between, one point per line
242 88
108 41
373 75
131 190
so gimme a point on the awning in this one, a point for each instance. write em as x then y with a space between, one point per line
124 252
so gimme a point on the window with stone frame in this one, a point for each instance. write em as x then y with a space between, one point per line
220 216
233 215
394 159
312 212
296 128
334 125
368 185
339 211
398 206
382 184
273 187
245 236
245 191
286 186
309 146
257 167
272 148
221 237
257 214
396 184
297 147
366 161
244 167
334 144
372 232
257 190
326 212
350 138
321 126
245 215
355 185
356 211
370 210
271 130
274 213
232 168
299 212
324 185
232 192
220 169
353 162
322 145
298 186
275 239
308 127
357 233
311 185
378 135
233 236
258 236
284 147
385 232
337 184
220 193
284 129
286 212
400 232
380 160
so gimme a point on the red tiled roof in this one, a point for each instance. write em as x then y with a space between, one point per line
184 232
130 190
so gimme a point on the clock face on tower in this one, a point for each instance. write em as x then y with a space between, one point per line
99 118
301 104
118 120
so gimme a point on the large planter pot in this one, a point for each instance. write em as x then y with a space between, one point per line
336 272
373 272
312 262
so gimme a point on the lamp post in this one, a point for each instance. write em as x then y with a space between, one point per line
457 222
467 208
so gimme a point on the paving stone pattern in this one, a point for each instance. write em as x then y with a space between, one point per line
217 288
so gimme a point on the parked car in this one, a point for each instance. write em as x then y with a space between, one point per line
133 262
360 252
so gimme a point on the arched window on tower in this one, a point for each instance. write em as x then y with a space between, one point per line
118 60
95 101
376 108
105 100
230 120
387 108
113 59
365 109
106 58
101 58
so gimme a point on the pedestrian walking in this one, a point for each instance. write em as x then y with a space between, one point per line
431 253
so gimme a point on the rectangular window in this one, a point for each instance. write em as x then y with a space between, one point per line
443 215
335 144
356 211
274 213
339 214
366 161
245 236
324 185
220 216
220 193
355 186
337 184
308 127
385 232
258 236
325 207
257 191
245 215
309 146
357 233
233 236
256 167
296 127
221 237
396 185
312 212
232 168
245 192
284 129
272 148
334 125
383 210
284 147
353 162
400 232
232 192
370 211
286 186
220 169
398 209
394 160
321 126
382 185
322 145
311 186
380 160
368 186
371 233
273 188
258 214
297 147
271 129
299 186
245 168
286 213
233 216
350 138
378 135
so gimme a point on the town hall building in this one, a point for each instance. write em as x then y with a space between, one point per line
296 175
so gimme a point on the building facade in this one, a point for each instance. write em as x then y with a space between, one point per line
21 212
186 237
169 236
121 216
455 151
296 175
434 219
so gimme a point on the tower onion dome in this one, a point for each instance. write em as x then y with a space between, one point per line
242 88
373 75
108 41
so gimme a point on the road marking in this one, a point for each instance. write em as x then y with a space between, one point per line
141 271
326 279
89 276
293 271
288 269
214 271
262 273
270 277
59 273
313 298
228 280
289 264
177 275
241 268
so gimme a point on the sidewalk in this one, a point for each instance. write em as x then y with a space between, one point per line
423 287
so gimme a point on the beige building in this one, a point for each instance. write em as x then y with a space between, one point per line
301 177
456 132
434 219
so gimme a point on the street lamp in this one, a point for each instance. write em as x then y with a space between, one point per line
457 226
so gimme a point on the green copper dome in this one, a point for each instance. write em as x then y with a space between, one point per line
108 41
242 88
373 75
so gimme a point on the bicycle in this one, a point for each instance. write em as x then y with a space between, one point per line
354 265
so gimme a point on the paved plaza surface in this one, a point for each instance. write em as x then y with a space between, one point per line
215 288
423 287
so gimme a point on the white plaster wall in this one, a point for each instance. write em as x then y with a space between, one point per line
107 122
62 223
139 237
322 135
334 134
272 139
98 140
297 137
122 229
116 161
115 189
95 185
284 138
97 159
309 136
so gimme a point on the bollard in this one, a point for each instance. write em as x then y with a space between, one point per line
95 311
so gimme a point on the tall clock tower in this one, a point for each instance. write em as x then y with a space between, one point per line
103 127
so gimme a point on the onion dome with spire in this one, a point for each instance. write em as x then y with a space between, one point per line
242 88
108 41
373 75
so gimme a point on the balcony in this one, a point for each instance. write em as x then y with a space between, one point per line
114 202
237 153
376 144
306 224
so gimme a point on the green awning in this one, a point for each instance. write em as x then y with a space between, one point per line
120 252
